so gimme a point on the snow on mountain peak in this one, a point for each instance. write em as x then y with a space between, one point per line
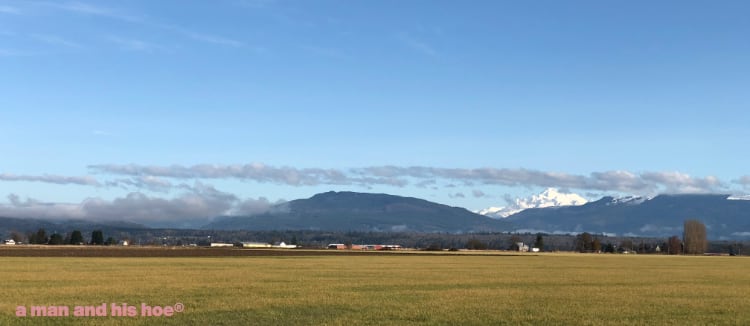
550 197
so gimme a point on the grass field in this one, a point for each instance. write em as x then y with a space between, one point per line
404 289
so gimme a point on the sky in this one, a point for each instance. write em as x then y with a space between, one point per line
190 109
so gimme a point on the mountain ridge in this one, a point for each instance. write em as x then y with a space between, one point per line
354 211
660 216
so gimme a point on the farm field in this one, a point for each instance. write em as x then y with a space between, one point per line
401 289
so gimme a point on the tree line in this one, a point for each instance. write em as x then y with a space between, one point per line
73 238
694 242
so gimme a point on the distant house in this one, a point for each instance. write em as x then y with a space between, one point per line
10 242
221 244
522 247
123 243
336 246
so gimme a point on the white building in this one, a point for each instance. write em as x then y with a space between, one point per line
283 245
255 245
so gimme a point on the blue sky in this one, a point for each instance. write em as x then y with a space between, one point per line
219 107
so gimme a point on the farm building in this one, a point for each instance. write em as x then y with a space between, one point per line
255 245
221 244
364 247
10 242
283 245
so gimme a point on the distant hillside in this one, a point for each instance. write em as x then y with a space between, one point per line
351 211
661 216
26 225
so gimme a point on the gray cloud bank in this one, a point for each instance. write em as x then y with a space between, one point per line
645 183
196 206
251 172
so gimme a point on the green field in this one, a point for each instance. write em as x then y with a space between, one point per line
549 289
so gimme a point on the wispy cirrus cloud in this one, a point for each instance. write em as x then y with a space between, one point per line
332 53
11 53
55 40
5 9
417 45
130 44
56 179
256 4
84 8
214 39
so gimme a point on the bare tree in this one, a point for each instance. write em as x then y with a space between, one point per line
674 245
694 237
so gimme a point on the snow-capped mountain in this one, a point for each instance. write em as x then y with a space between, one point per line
550 197
726 217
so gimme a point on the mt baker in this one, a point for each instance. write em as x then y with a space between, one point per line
548 198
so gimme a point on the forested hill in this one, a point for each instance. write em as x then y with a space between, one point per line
352 211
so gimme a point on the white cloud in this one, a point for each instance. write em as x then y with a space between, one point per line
743 180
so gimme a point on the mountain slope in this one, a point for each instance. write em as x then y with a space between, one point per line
660 216
351 211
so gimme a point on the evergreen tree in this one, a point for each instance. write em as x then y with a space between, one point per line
539 243
40 237
76 237
56 239
97 237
